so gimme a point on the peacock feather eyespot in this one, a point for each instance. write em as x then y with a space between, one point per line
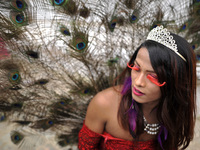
65 31
62 103
42 81
86 91
80 45
2 117
44 124
133 18
155 24
19 5
50 122
16 137
58 2
65 139
185 26
112 24
14 77
18 18
80 41
194 45
69 6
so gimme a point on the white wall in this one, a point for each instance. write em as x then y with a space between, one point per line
198 88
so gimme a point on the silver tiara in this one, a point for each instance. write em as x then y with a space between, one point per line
162 36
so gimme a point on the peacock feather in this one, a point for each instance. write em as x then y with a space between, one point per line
16 137
55 55
19 5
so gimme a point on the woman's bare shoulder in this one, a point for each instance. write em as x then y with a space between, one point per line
105 100
109 95
100 107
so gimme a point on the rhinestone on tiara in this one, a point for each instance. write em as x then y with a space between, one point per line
162 36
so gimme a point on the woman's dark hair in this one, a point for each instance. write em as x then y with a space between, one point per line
176 110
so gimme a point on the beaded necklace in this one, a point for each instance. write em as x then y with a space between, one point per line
151 128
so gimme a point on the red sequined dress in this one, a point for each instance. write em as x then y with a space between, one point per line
89 140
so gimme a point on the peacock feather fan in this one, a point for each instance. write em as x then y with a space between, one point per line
55 55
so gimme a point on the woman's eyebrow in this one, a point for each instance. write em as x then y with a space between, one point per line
152 71
137 63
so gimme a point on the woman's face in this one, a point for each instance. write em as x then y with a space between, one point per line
144 90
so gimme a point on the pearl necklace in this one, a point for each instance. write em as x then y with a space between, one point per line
151 128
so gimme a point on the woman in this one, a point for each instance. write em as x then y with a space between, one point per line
154 108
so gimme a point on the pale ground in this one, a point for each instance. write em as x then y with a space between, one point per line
195 144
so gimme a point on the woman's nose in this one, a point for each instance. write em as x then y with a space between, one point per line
140 80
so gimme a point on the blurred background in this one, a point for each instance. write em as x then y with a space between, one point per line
55 55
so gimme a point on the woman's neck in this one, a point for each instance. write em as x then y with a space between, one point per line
150 112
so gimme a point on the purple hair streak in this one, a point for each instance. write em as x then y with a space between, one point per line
162 129
132 113
127 86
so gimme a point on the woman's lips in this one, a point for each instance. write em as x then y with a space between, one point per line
137 92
